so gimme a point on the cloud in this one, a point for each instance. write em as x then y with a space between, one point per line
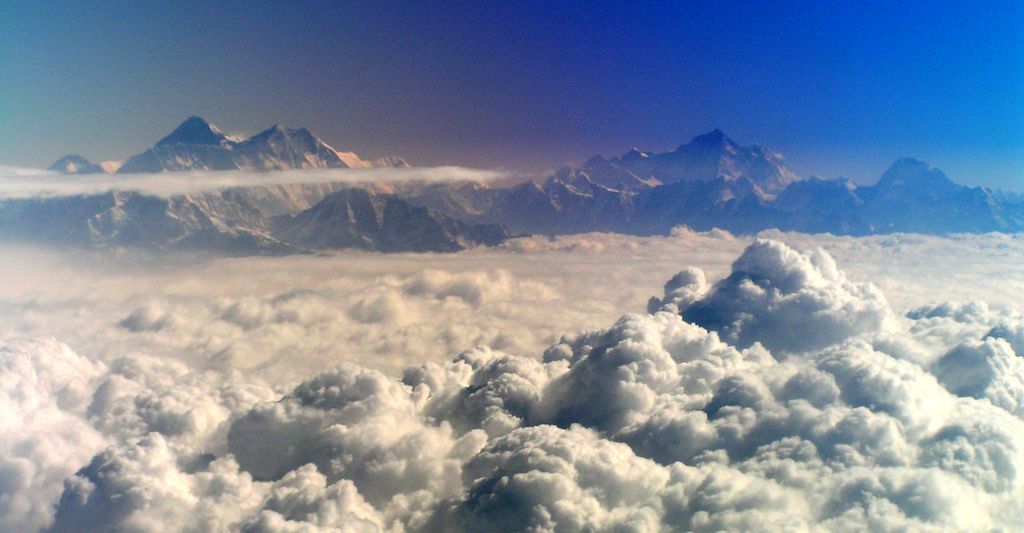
988 369
133 487
788 301
286 318
31 183
178 407
303 501
44 390
146 418
548 479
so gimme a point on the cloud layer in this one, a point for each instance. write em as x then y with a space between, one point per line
284 319
786 395
31 183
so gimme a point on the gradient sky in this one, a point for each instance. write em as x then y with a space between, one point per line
840 89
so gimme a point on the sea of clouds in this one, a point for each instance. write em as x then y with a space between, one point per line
789 382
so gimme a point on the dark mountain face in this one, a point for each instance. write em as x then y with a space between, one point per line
196 132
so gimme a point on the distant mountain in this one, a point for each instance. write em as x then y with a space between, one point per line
220 222
195 131
910 197
705 158
199 145
76 164
710 182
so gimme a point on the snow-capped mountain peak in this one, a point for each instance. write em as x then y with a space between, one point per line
196 131
707 157
908 171
75 164
714 138
198 145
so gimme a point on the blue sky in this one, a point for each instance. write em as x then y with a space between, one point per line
840 89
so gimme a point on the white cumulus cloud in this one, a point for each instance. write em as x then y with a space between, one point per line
764 389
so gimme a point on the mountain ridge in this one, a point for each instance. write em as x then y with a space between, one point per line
706 157
911 196
709 182
196 144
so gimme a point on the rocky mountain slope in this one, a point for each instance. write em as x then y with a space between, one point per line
222 222
228 223
358 218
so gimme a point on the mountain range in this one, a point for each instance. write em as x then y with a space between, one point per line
266 219
709 182
911 196
712 182
198 145
706 157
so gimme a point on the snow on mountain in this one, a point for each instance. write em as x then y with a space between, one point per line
196 131
359 218
240 221
705 158
710 182
604 196
221 222
389 161
199 145
76 164
110 167
909 177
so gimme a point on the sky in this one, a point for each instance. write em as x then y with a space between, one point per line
841 89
